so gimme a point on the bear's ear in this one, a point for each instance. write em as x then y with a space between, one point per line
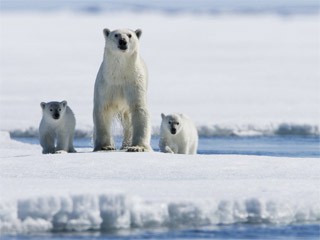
64 103
138 32
163 116
43 105
106 32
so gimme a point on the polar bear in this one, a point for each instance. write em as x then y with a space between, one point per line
57 125
178 134
121 92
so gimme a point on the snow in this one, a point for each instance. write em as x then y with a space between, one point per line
118 190
233 75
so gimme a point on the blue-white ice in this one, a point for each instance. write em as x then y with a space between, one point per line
107 212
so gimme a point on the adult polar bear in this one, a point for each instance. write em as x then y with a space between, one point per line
121 91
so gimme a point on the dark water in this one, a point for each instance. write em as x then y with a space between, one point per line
239 231
279 146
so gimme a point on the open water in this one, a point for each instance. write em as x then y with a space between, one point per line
239 231
279 146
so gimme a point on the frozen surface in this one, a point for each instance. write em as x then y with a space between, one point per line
118 190
240 75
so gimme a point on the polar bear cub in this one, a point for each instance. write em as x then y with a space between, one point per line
121 92
178 134
57 125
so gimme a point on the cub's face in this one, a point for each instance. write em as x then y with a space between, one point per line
53 110
122 41
172 123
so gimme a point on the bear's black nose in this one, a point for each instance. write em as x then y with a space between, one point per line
173 131
56 116
122 42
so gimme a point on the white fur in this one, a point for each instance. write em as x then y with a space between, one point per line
121 91
185 139
59 130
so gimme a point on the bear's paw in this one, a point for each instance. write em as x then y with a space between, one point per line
105 148
137 149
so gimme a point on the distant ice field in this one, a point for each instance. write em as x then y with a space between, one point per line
233 75
215 7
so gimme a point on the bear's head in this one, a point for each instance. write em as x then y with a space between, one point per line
53 110
123 41
172 123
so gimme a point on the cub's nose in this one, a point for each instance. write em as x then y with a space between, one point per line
122 42
56 116
173 131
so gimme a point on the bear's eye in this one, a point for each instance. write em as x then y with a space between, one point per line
59 109
177 123
116 35
170 122
129 35
51 109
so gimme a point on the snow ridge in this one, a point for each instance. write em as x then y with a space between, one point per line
282 129
119 211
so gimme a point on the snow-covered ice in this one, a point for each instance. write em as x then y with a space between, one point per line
118 190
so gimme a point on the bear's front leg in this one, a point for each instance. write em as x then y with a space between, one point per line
167 149
183 149
102 118
127 130
47 142
164 146
140 129
62 143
